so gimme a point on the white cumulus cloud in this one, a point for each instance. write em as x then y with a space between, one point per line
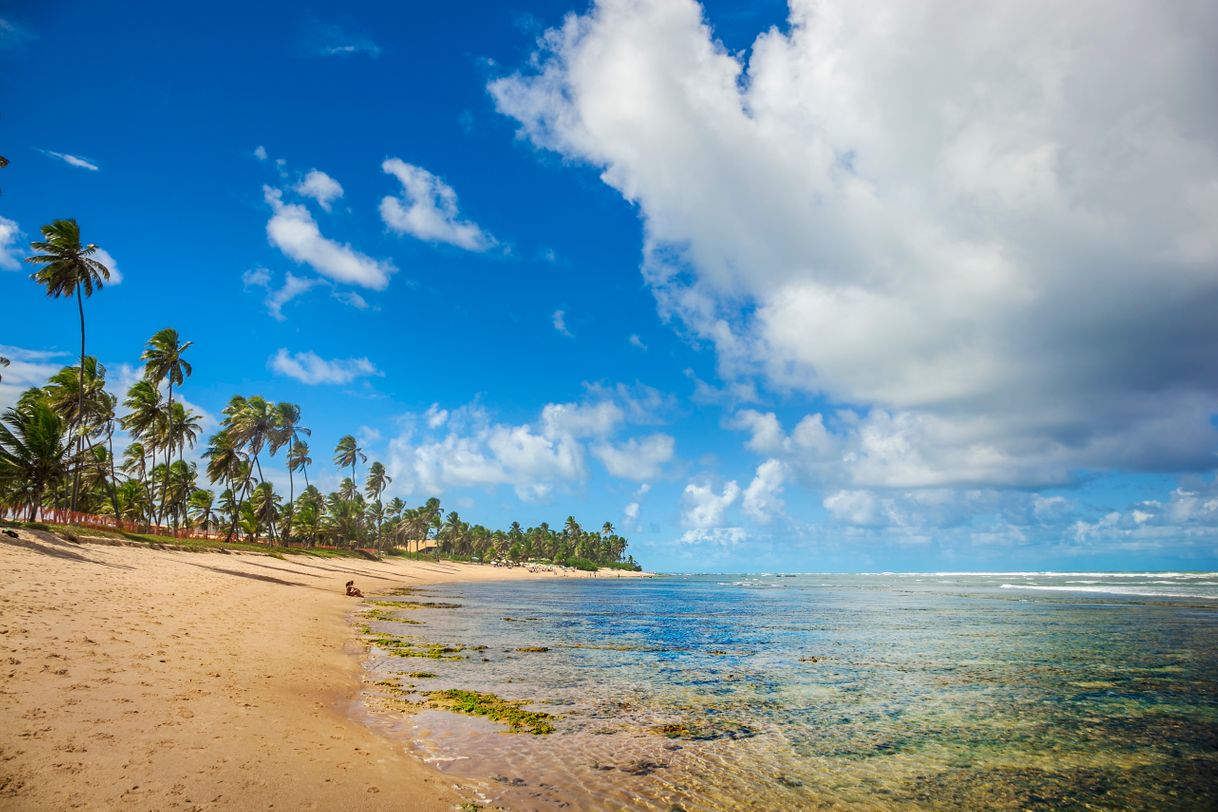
761 498
705 507
10 245
991 237
427 209
637 458
309 367
293 231
319 186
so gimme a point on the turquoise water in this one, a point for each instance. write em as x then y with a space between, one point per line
889 691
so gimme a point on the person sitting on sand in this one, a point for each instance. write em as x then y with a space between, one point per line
352 591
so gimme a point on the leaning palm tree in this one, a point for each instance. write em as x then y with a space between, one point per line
68 269
33 454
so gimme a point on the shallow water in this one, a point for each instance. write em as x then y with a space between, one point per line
1003 690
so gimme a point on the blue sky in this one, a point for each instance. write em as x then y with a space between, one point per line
820 287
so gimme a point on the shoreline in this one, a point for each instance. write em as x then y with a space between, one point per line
192 680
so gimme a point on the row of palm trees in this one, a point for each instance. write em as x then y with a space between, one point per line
57 452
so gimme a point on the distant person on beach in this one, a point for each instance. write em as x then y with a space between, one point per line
352 591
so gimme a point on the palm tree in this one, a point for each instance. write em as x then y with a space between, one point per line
3 363
347 452
162 357
265 504
374 487
91 410
163 360
288 431
33 453
145 420
202 504
68 269
227 463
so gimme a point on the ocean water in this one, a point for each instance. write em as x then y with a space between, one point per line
813 691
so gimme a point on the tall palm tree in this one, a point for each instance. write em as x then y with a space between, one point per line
162 357
33 453
3 363
91 410
374 486
287 433
347 453
254 425
68 269
145 420
226 463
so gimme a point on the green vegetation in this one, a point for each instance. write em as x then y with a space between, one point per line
401 647
57 461
507 711
529 649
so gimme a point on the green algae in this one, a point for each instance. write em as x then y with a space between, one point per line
533 649
506 711
398 647
380 614
412 604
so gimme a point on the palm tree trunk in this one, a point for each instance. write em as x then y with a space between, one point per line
160 513
261 479
113 478
287 530
80 399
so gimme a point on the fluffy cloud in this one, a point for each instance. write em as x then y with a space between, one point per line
427 209
637 458
319 186
474 451
276 298
293 231
704 507
442 449
105 258
71 160
767 436
309 367
761 498
721 536
26 368
995 238
10 245
559 320
581 420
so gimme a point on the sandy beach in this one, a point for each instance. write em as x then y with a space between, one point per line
159 679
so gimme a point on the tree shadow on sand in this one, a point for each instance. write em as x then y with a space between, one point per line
44 543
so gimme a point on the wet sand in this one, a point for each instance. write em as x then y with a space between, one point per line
157 679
